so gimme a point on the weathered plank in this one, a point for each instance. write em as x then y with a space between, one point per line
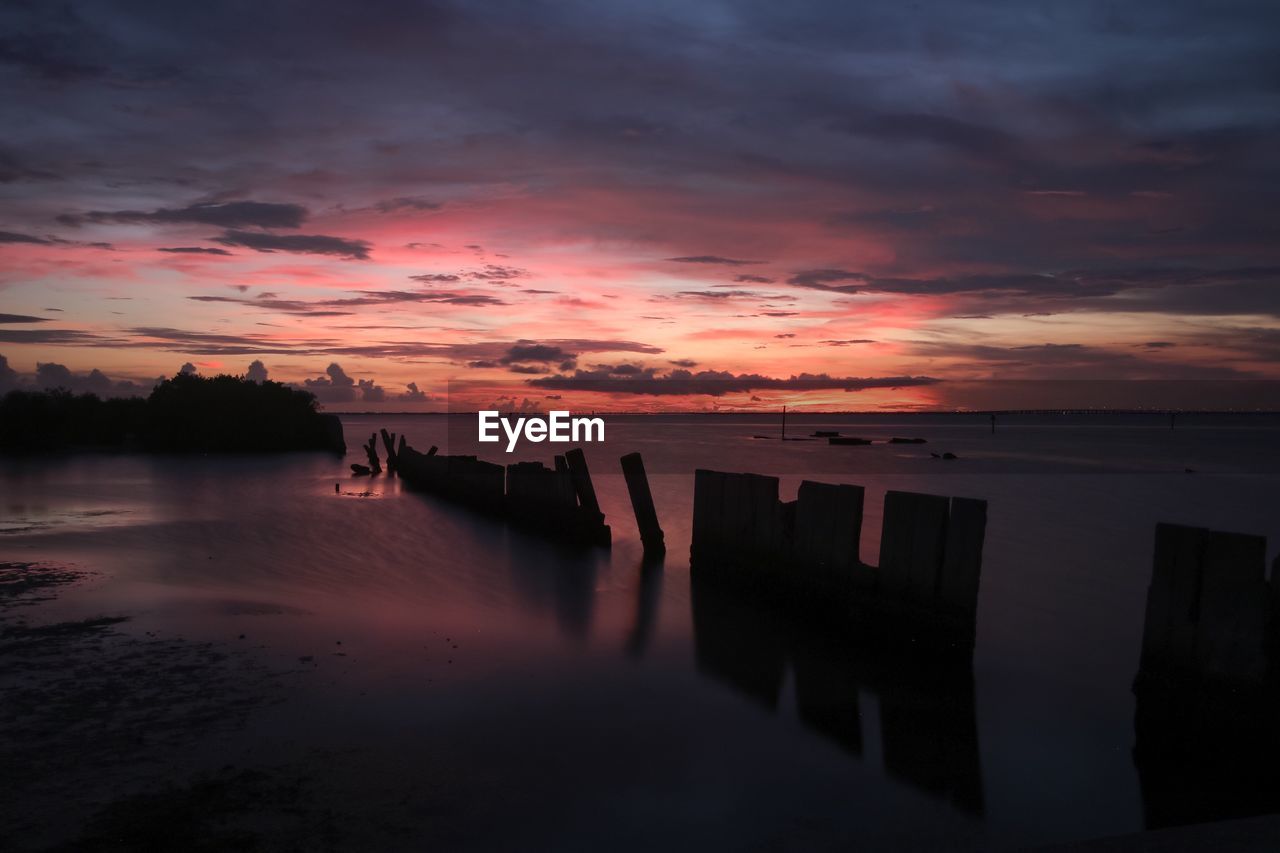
642 504
1231 635
581 475
962 563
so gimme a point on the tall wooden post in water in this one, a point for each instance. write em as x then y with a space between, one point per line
642 503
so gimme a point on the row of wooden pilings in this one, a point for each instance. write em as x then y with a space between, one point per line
1212 621
808 549
807 552
558 502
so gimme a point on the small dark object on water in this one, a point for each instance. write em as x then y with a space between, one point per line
337 488
847 439
949 455
1188 470
900 440
825 433
360 470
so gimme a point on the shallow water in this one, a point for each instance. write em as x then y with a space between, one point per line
480 687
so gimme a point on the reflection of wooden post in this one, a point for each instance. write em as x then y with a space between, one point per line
582 481
642 504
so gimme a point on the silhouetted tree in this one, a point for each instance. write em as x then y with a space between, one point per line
49 420
186 413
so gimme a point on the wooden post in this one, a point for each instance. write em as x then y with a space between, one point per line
371 450
389 442
962 561
1208 606
577 463
912 544
828 533
642 503
708 507
1231 642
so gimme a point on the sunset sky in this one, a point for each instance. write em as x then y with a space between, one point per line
756 202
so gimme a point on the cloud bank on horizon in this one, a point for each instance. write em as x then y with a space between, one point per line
702 203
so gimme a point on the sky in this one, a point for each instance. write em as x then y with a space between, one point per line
707 204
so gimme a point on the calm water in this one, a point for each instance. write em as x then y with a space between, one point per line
505 692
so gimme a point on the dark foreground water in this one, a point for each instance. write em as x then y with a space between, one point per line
450 683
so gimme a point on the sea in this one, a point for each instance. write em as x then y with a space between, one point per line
481 687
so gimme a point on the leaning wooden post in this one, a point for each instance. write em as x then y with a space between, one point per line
582 481
642 504
389 442
372 450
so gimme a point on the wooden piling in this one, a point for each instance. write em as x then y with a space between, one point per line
1231 642
912 544
642 504
389 444
827 533
962 562
1208 607
581 477
371 450
806 553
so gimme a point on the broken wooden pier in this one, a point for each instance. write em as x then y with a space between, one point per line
558 503
806 552
1210 610
1208 681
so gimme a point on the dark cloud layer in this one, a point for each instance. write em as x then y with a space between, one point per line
232 214
194 250
716 260
15 237
629 379
1182 290
307 244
